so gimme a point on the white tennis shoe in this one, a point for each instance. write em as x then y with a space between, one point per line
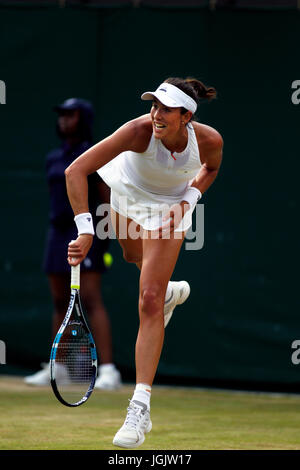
137 423
180 292
42 377
109 378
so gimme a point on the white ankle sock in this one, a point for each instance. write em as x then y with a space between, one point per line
168 292
142 393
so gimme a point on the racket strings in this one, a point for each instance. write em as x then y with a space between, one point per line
73 366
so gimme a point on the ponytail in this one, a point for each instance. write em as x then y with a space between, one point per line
194 88
202 91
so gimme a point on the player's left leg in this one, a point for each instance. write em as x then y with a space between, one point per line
158 263
159 260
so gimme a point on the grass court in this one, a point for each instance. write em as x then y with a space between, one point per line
183 419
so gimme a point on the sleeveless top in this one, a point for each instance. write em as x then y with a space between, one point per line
156 172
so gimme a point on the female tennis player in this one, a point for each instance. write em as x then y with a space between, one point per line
157 166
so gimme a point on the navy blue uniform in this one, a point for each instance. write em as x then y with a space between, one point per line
62 227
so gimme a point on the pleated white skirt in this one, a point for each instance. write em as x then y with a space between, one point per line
143 207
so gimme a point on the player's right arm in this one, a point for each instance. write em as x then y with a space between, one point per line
131 136
135 136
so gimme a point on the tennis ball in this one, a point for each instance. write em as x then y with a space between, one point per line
108 259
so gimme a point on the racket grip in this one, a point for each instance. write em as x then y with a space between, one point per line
75 277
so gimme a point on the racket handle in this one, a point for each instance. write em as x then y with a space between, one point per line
75 276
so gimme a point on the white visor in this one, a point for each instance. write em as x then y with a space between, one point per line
171 96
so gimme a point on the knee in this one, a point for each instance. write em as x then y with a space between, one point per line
152 300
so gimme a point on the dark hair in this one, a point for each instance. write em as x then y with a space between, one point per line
194 88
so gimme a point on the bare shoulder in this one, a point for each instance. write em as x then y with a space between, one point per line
207 136
210 145
138 132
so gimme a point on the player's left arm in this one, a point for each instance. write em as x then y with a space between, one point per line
210 147
211 151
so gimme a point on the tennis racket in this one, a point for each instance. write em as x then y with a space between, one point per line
73 359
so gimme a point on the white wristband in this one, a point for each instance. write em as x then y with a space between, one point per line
84 223
192 195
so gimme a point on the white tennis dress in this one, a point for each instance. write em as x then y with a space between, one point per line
144 185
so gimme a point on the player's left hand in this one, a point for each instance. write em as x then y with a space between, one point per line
172 219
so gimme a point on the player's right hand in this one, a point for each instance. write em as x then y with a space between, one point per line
79 248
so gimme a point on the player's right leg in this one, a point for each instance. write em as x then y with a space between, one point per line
132 248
